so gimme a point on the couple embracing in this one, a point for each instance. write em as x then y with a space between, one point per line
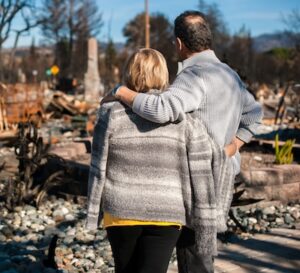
164 156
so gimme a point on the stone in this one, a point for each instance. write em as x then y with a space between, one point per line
31 248
295 213
252 221
98 262
92 84
31 258
51 231
2 237
288 219
279 221
18 209
269 210
64 210
37 227
68 240
17 238
57 212
70 217
6 231
71 232
90 255
29 208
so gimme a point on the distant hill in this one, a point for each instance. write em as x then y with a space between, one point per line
262 43
118 46
265 42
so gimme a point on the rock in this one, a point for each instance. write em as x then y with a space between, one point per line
37 227
258 158
18 209
70 217
64 210
295 213
57 213
78 254
51 231
74 261
90 255
70 256
2 237
7 232
71 232
31 213
59 218
31 258
288 219
31 237
31 248
29 208
68 239
17 238
252 221
49 221
279 221
79 236
271 218
269 210
98 262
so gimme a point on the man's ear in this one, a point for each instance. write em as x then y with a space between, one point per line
179 43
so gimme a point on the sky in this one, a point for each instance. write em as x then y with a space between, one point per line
259 16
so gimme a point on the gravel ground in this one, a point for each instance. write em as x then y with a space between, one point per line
25 235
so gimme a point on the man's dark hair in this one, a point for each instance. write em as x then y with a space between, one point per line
193 30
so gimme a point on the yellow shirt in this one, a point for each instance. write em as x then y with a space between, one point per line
110 221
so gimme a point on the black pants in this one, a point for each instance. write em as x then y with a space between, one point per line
142 249
189 261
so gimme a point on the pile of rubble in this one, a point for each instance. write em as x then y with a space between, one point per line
263 219
45 108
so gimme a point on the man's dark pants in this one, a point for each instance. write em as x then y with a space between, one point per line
188 259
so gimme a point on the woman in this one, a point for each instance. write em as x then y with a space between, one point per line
141 175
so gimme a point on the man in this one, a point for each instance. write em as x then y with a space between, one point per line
205 84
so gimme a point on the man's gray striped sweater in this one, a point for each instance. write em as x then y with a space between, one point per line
206 84
145 171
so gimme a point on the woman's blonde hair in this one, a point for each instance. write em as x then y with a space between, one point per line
146 69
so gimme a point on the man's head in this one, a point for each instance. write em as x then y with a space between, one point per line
192 33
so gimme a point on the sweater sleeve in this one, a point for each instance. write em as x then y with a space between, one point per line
98 166
251 117
199 152
183 96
